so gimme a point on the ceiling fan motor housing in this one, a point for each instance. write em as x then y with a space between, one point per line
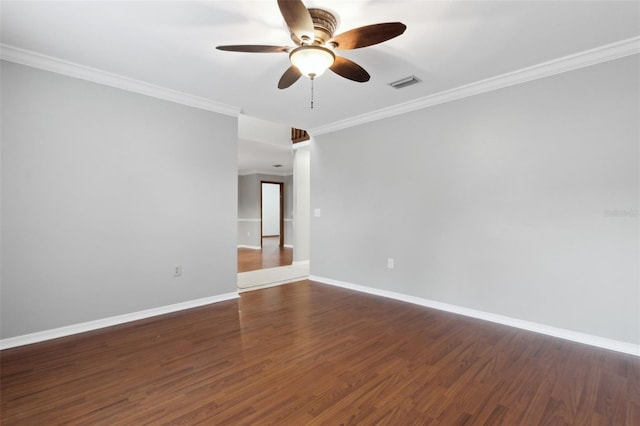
324 25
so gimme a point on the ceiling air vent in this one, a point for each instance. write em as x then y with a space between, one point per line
404 82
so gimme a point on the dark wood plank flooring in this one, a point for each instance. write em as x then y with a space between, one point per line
307 354
271 256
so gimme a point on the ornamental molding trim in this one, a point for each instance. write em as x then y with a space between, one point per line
72 69
572 62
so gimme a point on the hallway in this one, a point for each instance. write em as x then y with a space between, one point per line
268 267
271 256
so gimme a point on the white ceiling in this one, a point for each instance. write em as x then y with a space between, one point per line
258 157
447 44
263 146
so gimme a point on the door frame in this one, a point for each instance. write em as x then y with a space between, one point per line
281 218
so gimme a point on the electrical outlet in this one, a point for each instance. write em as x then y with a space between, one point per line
390 263
177 270
248 234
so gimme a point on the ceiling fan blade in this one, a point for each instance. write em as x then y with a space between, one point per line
349 69
290 76
254 48
368 35
298 19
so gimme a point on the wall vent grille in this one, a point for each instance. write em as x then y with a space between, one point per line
404 82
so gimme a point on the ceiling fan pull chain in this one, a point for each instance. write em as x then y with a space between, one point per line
312 92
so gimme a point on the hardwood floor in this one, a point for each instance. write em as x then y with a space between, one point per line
271 256
307 354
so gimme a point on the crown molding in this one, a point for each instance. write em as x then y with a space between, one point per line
572 62
299 145
71 69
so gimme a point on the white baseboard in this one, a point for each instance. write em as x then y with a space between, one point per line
249 247
574 336
289 246
55 333
273 284
300 263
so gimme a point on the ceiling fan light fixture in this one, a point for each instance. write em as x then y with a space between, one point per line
312 61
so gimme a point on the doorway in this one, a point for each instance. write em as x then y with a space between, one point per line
271 212
256 269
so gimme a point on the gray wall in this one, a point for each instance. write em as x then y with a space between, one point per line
521 202
103 191
301 200
249 208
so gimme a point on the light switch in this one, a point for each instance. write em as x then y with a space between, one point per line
316 212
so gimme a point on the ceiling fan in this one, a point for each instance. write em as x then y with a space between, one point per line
312 32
